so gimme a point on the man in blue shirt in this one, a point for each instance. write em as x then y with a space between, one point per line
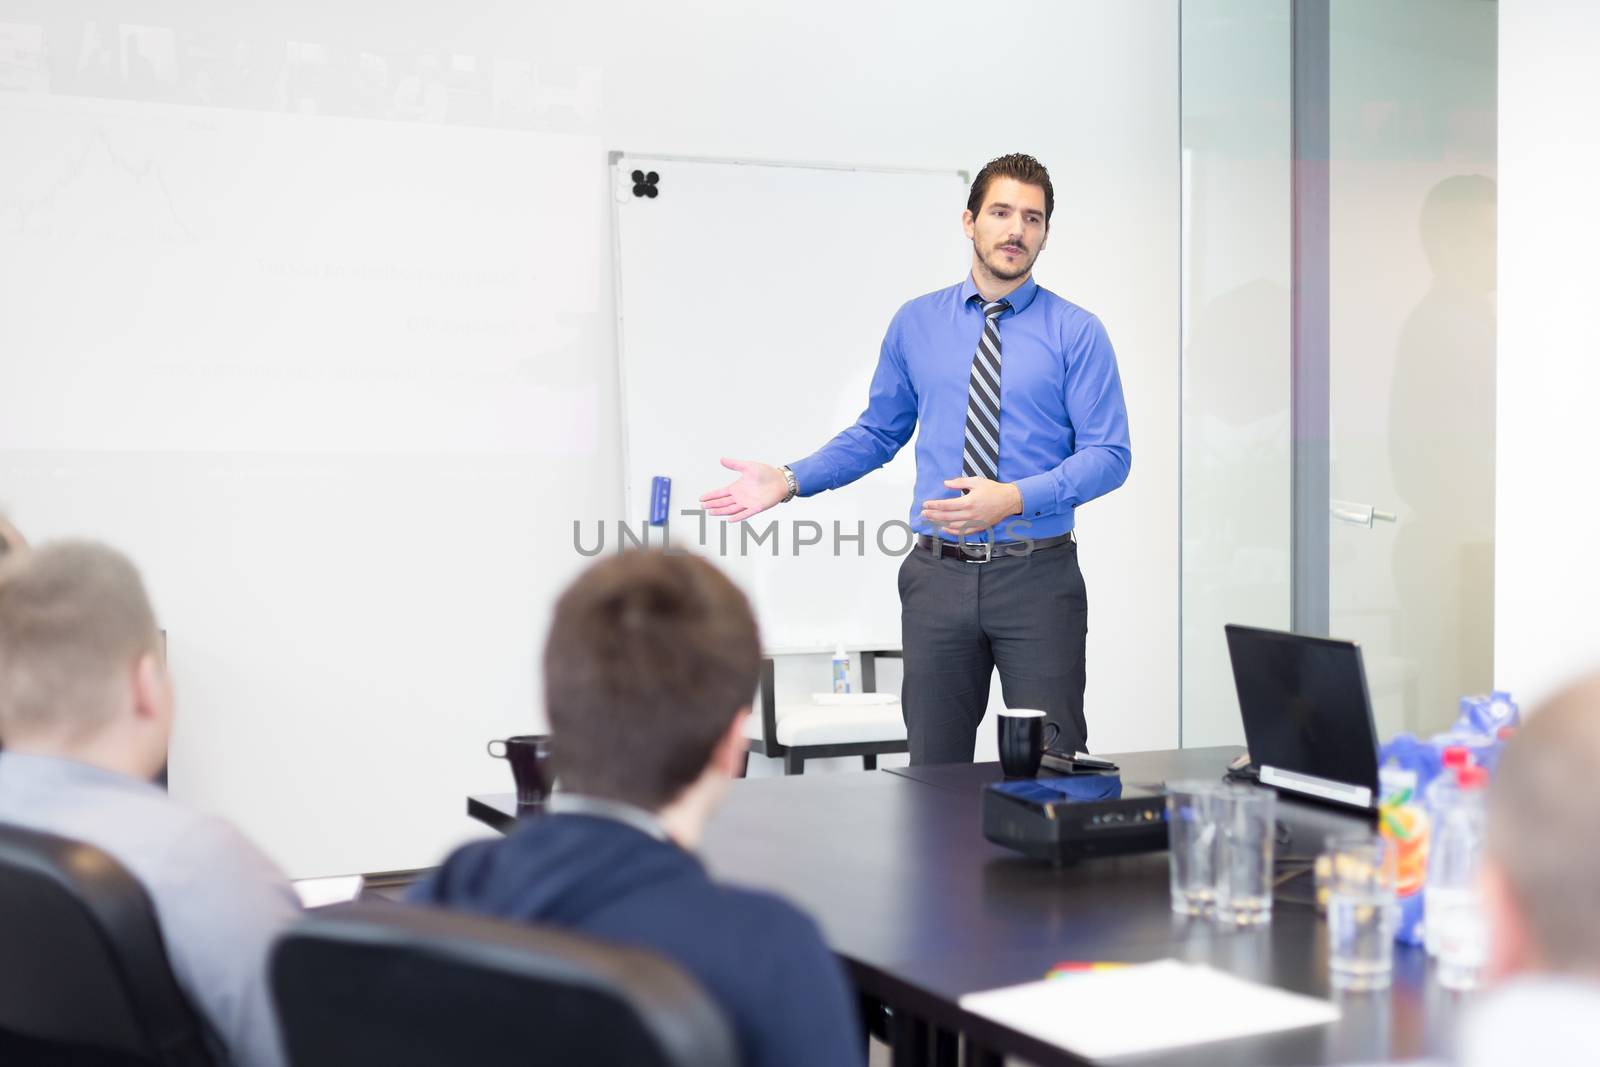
1022 420
648 671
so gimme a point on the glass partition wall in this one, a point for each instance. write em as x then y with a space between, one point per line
1338 340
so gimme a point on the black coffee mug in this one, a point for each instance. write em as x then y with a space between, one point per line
1023 741
529 756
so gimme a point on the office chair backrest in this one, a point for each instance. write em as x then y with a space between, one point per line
83 963
416 987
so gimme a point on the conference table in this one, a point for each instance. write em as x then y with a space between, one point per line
922 910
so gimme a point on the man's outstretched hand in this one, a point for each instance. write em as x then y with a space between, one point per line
757 488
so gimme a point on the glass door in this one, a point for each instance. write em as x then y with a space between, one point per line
1411 349
1338 343
1236 278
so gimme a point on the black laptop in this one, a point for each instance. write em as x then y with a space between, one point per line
1307 714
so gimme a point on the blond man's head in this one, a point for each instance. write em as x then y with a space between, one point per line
80 668
1544 822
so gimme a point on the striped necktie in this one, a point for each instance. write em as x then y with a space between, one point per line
980 455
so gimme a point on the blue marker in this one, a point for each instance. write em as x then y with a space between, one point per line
660 494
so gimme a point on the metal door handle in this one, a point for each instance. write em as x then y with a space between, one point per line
1359 514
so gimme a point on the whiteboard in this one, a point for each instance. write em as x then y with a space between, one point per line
752 299
291 365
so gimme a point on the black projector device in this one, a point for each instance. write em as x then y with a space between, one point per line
1062 820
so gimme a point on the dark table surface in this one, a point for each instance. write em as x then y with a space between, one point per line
894 867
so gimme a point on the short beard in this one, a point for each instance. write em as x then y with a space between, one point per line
1006 274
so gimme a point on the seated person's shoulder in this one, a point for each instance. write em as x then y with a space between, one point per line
157 837
462 874
208 836
196 849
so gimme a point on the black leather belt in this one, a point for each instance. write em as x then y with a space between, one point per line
986 551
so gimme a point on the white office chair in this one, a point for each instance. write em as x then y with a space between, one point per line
801 731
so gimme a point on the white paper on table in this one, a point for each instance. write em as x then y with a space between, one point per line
843 700
1148 1007
320 892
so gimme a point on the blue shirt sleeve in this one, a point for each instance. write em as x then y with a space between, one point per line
880 432
1101 454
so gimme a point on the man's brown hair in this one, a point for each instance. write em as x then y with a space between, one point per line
649 658
1023 168
74 619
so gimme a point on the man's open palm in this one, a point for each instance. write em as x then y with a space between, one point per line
757 488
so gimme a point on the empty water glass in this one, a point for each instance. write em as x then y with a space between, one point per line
1362 912
1245 838
1192 845
1347 844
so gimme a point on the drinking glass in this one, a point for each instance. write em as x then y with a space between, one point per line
1192 845
1362 912
1246 832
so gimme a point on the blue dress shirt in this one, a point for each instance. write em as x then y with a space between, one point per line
1063 424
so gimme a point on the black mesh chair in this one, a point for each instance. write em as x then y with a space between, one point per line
421 987
84 976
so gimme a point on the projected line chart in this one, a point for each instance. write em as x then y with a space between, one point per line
96 176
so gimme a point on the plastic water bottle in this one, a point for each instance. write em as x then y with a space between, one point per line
1490 757
1442 790
1438 800
1453 910
841 669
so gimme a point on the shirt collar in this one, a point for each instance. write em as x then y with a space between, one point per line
67 771
1019 299
644 821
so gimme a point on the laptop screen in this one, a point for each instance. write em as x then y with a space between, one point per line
1305 705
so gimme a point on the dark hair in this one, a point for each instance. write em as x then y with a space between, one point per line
1023 168
649 658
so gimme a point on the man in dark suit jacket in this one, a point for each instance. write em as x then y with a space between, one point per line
649 671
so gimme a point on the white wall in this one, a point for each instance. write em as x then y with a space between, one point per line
353 617
1547 512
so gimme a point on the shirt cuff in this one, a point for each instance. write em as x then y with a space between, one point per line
1038 496
811 475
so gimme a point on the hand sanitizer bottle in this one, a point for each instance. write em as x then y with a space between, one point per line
841 669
